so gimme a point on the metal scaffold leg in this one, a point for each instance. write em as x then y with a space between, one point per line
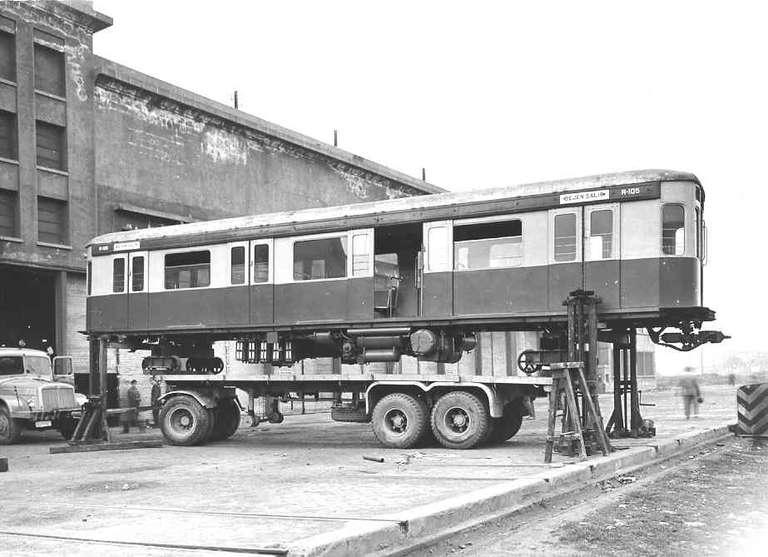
582 428
626 419
92 430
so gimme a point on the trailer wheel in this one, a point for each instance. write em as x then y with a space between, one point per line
508 425
399 420
226 420
184 421
10 430
460 420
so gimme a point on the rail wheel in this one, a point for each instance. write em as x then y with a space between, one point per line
226 420
10 431
460 420
184 421
399 420
508 425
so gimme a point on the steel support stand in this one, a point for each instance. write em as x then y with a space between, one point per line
626 419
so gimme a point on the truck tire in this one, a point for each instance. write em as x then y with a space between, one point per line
460 420
508 425
226 420
399 420
10 429
184 421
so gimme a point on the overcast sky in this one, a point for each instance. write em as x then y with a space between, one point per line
497 93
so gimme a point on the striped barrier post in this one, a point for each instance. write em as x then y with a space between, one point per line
752 401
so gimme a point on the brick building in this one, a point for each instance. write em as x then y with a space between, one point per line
88 146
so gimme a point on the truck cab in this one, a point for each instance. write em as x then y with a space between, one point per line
31 397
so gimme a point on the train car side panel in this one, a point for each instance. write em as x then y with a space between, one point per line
495 291
679 282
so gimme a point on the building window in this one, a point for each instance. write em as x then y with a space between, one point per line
565 237
52 221
8 135
137 274
128 220
237 267
187 270
600 235
49 70
7 56
488 246
51 146
673 230
8 201
320 259
261 263
118 275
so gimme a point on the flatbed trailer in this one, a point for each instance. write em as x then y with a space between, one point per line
459 410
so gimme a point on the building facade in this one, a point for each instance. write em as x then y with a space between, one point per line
88 146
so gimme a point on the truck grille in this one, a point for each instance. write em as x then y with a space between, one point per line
57 397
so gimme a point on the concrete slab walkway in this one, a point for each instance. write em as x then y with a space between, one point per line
301 487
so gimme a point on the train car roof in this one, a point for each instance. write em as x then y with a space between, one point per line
262 222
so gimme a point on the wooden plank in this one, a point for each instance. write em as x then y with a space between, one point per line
101 446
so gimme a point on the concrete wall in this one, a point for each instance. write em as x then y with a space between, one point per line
137 143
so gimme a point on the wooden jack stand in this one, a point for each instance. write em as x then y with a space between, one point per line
563 377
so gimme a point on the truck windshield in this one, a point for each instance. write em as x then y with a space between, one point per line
11 365
38 365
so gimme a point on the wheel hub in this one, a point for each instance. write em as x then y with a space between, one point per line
457 420
397 421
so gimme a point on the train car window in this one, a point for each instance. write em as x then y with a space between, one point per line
137 274
601 234
190 269
118 275
89 276
437 248
565 237
237 267
698 232
261 263
673 230
488 245
320 259
361 255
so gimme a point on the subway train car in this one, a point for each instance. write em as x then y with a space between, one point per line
416 276
420 275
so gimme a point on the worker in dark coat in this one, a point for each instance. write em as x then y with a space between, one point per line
154 399
134 401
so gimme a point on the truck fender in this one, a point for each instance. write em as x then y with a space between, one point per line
495 404
205 400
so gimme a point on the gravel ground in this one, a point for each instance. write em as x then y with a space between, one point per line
713 502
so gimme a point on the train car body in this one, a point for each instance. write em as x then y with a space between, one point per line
416 276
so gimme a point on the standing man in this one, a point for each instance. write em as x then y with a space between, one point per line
134 401
154 398
689 390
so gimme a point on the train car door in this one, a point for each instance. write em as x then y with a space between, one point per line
107 305
565 255
262 288
360 289
437 274
138 293
601 253
235 300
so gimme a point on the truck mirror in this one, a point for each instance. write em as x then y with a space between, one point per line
62 366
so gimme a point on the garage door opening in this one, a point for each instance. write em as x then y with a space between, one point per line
27 307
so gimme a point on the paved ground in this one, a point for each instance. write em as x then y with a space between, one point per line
265 487
712 502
